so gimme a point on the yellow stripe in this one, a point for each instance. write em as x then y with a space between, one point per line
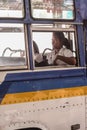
44 95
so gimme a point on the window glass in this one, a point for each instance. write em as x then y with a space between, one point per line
46 47
12 45
11 8
52 9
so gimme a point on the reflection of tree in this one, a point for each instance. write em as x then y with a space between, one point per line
53 4
56 8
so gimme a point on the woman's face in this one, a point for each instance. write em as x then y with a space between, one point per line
56 42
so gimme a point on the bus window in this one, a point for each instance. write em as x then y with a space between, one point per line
12 45
52 9
11 8
47 53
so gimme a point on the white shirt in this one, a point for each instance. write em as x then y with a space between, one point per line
62 52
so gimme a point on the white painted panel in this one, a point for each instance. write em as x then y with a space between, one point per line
59 114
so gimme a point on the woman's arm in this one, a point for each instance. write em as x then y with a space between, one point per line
68 60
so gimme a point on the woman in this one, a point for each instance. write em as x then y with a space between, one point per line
61 54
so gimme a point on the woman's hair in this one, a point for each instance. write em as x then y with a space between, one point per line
61 37
36 49
67 43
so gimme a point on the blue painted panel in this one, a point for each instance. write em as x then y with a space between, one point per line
37 85
83 8
45 74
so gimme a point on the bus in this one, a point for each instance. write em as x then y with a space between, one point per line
35 93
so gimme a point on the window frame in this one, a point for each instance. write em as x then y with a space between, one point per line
19 67
28 21
47 29
57 20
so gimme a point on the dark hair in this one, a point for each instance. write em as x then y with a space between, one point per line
36 49
63 40
67 43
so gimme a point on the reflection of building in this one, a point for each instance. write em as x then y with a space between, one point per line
11 4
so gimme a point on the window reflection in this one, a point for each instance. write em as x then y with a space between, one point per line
12 45
52 9
11 8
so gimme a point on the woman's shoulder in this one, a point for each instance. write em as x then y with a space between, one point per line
66 52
